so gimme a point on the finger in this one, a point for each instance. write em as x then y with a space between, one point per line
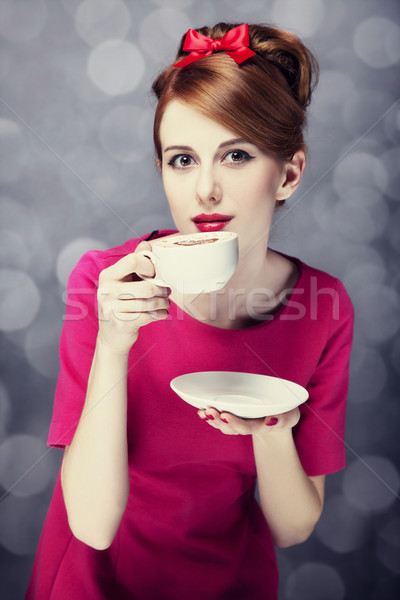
131 263
139 290
131 291
143 246
202 414
216 423
142 289
211 413
142 318
222 427
157 315
279 421
241 426
295 415
213 418
139 305
287 419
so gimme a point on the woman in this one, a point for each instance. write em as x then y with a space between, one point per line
154 501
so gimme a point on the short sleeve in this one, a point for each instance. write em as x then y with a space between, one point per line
77 345
79 335
319 435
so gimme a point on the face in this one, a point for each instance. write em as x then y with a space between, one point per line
214 181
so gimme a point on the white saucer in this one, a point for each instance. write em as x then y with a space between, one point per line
245 395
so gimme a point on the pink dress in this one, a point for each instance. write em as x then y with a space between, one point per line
192 527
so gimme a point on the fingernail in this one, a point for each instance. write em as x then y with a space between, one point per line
272 421
224 420
210 417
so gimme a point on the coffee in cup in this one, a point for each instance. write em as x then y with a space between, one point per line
194 263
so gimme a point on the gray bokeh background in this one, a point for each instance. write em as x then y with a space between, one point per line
77 173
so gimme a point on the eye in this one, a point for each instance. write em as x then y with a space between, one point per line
180 161
237 156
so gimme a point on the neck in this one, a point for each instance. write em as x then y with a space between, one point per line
228 307
252 268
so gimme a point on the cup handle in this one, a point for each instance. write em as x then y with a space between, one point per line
156 280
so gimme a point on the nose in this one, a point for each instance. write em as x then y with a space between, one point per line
208 188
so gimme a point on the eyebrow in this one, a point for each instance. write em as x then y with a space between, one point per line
223 145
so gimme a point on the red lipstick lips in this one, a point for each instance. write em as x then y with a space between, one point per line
214 222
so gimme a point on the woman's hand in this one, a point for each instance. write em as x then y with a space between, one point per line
232 425
125 305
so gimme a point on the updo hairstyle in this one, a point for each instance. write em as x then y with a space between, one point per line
263 100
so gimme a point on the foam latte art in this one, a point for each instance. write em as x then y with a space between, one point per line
196 239
195 242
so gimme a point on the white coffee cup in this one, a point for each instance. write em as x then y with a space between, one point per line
194 263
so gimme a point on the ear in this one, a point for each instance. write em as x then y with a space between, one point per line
292 173
159 164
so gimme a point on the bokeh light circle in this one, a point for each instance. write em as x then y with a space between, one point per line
391 124
388 546
394 231
19 300
22 21
72 252
335 14
377 42
202 13
41 354
116 67
5 409
341 527
391 162
126 133
27 236
63 127
70 6
314 581
303 20
359 169
160 32
368 375
26 467
13 250
371 483
78 82
4 65
322 205
361 215
13 151
366 270
285 565
146 223
42 337
334 91
363 115
378 311
177 4
90 180
395 355
99 20
21 520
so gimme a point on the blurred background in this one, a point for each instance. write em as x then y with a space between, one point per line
78 173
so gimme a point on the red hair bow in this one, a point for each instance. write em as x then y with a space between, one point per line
235 43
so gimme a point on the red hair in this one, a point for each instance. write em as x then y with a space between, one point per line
263 100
